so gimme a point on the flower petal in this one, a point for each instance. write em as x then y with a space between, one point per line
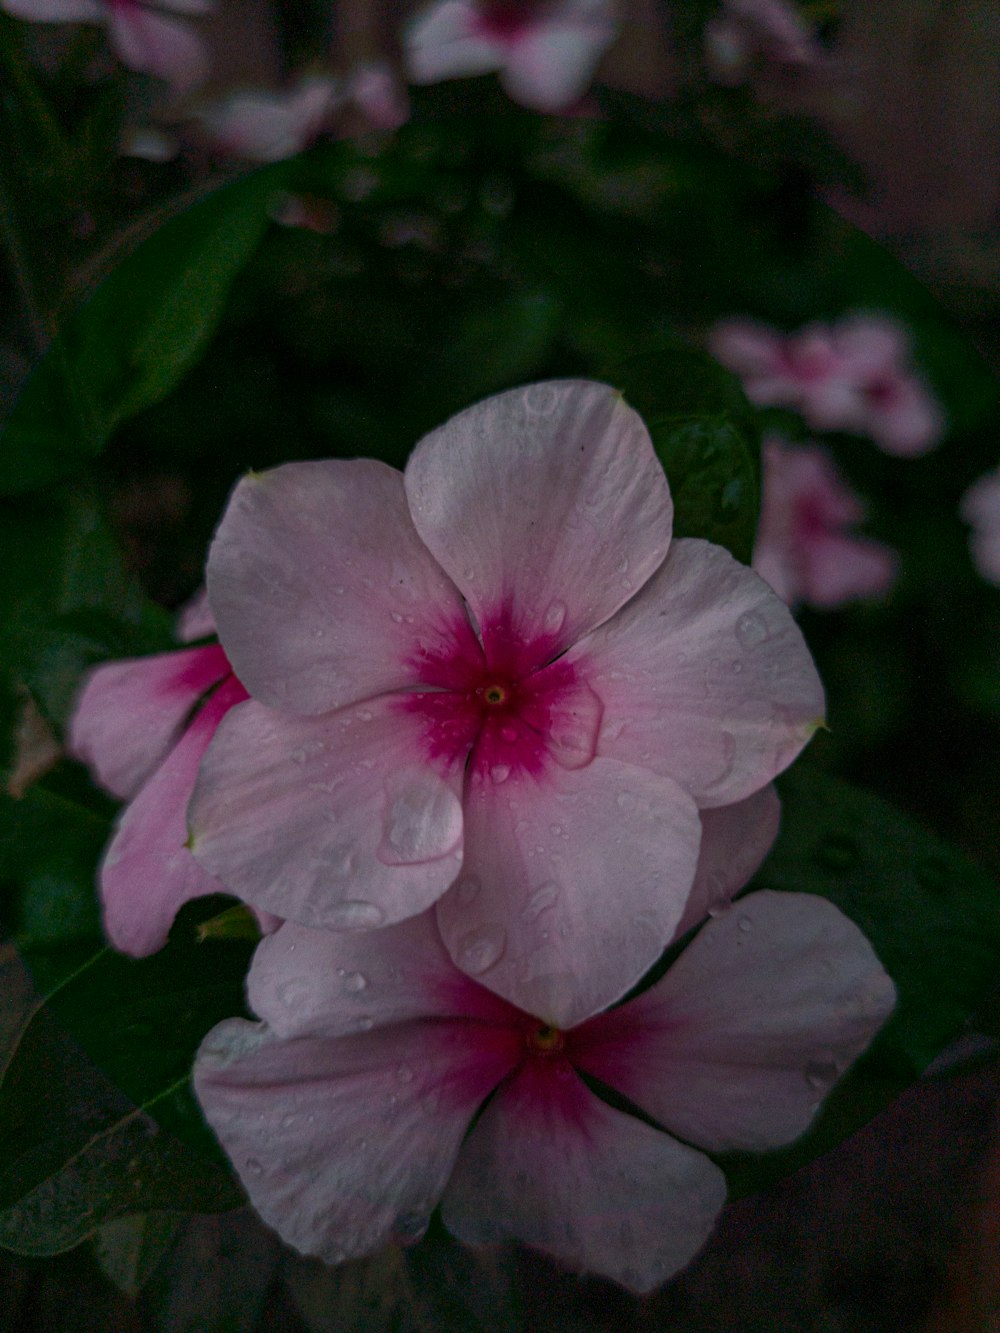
750 1028
194 619
56 11
147 871
332 821
548 508
153 44
322 591
551 66
552 1166
330 983
442 42
345 1144
129 713
572 886
705 677
734 841
270 126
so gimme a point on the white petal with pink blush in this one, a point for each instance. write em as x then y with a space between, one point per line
352 1111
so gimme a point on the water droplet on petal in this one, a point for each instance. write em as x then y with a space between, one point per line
355 982
410 1226
354 914
481 948
625 800
500 772
509 734
254 1166
751 629
744 924
821 1073
555 617
365 1023
423 820
404 1073
544 897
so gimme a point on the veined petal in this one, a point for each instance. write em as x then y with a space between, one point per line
734 842
552 1166
154 44
345 1144
443 42
330 983
129 713
735 1047
322 591
548 508
332 821
147 872
573 884
705 677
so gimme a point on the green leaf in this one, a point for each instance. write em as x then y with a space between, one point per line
933 918
96 1111
136 337
706 437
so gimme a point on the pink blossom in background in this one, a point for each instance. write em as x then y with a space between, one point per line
852 376
143 38
140 728
545 53
805 548
746 31
494 682
267 126
980 508
347 1112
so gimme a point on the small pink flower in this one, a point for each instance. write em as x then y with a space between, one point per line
852 376
805 549
980 507
376 91
544 52
142 725
491 665
347 1112
264 126
746 31
143 38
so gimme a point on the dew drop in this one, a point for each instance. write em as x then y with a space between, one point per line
423 820
404 1073
355 982
288 1120
555 617
625 800
821 1073
744 924
544 897
340 860
410 1226
365 1023
354 914
482 948
292 994
397 617
254 1166
500 772
751 629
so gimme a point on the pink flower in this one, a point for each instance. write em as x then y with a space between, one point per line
347 1112
980 507
804 546
491 665
264 126
745 31
143 38
142 725
853 376
545 53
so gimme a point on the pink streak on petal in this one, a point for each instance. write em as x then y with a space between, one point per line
572 885
165 47
331 983
147 872
129 713
735 839
343 1144
321 589
705 677
335 821
550 1165
547 502
750 1028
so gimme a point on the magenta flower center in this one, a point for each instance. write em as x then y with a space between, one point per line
501 708
541 1039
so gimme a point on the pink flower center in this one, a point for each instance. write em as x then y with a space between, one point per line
498 712
543 1040
504 20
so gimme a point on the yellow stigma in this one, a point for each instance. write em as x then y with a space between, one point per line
545 1039
495 695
